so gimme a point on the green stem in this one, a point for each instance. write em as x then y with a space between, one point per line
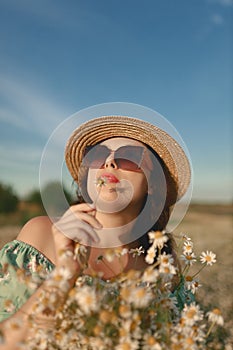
210 329
184 270
199 271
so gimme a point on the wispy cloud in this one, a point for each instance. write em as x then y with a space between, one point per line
28 107
11 117
225 3
217 19
48 11
24 109
54 14
10 154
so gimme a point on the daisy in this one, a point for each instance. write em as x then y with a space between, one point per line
215 316
166 259
106 316
127 344
191 314
188 247
97 343
86 297
60 279
41 340
125 311
150 342
101 181
150 256
110 255
186 238
124 251
64 273
140 297
137 251
158 238
125 293
168 270
208 258
150 275
189 258
192 283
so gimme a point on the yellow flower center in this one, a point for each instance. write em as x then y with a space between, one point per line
151 340
191 313
158 234
125 346
140 293
189 278
217 312
89 300
105 316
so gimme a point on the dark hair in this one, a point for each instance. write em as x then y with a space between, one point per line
156 196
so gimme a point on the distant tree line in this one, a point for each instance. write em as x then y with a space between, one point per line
9 200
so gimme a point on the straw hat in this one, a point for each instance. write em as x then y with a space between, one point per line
100 129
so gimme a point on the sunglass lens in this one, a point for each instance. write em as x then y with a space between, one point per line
129 157
95 156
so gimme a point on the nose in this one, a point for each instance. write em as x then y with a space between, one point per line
110 162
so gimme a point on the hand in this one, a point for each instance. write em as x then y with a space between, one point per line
76 225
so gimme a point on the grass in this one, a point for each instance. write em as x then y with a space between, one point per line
209 226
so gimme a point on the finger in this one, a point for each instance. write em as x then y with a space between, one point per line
82 207
75 232
77 216
91 220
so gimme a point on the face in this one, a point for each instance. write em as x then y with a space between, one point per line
118 174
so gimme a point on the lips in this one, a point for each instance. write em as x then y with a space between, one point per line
110 178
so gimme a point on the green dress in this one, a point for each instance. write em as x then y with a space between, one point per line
23 268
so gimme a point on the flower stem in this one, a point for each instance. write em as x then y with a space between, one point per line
210 329
185 270
199 271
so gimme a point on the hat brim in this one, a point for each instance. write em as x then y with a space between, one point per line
100 129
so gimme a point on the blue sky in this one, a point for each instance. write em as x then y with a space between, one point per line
174 57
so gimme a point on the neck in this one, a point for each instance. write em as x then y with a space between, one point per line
114 220
120 218
117 228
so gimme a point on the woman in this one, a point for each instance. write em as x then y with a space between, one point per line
129 174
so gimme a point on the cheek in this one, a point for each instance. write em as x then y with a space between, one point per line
91 183
140 186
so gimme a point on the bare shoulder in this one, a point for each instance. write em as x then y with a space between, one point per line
38 233
35 229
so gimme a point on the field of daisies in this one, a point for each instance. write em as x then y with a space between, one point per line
142 310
